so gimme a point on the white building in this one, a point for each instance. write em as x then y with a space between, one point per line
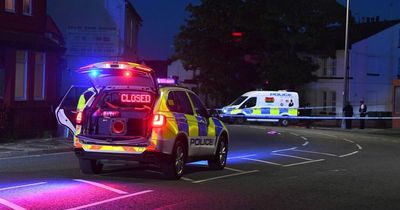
185 77
374 62
94 31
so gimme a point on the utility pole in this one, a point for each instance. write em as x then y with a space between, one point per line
346 58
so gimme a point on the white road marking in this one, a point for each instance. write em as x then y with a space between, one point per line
262 161
349 154
359 146
295 134
110 200
324 134
11 205
313 152
187 179
233 169
243 156
101 186
349 141
20 186
305 143
302 163
152 171
292 156
34 156
281 150
304 138
225 176
256 127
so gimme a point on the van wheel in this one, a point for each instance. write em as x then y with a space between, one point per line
284 122
239 119
90 166
218 162
173 168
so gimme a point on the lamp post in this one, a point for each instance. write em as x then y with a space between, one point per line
346 58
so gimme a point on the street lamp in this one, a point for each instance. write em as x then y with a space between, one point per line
346 58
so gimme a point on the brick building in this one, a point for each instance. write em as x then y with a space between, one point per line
31 47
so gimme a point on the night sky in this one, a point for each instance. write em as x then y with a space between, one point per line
162 19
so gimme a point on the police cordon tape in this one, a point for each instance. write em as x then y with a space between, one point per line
308 117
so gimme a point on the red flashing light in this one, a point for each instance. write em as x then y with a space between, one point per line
127 73
159 121
237 34
79 118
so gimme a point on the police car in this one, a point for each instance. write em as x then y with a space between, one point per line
125 115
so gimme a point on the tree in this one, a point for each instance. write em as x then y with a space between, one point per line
277 37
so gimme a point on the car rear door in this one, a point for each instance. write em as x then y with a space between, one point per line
67 109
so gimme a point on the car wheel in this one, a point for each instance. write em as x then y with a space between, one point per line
218 162
173 169
90 166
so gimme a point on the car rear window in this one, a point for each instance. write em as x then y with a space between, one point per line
135 79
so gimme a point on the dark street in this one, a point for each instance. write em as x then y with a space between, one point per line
268 168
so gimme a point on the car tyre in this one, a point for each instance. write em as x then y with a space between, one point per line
173 168
218 162
90 166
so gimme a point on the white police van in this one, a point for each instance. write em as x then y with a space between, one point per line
271 106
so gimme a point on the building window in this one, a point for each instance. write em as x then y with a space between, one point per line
333 67
324 67
21 75
27 7
2 82
329 101
324 100
398 69
399 38
9 5
333 101
40 76
131 34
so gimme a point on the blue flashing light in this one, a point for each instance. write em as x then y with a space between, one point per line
94 73
164 81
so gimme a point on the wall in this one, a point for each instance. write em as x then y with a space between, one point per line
25 23
374 64
94 31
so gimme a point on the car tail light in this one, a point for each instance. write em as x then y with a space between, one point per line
159 120
79 118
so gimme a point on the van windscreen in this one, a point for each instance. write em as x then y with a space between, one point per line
238 100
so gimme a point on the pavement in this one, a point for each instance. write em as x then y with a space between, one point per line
22 147
368 131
